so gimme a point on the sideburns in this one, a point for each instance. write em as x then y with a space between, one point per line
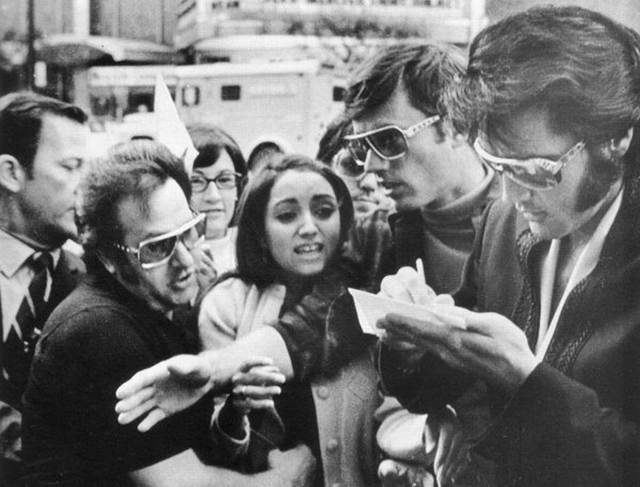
602 173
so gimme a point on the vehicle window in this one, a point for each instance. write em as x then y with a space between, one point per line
230 92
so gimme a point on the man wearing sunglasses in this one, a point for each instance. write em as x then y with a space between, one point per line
402 134
549 359
141 241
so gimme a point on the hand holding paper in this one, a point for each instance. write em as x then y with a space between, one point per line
372 308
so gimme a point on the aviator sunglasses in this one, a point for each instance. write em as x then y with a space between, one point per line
537 173
389 142
155 251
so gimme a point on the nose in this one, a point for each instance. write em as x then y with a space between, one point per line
182 256
512 192
368 183
212 192
308 225
374 163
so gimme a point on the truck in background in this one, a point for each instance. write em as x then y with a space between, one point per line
265 106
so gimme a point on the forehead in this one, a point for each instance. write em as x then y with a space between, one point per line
167 210
397 110
62 134
301 186
223 164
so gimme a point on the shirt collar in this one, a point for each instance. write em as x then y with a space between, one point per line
15 253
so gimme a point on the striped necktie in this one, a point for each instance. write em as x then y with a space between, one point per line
18 349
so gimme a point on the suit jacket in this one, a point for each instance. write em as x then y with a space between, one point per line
66 276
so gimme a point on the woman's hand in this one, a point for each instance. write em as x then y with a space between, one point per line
253 387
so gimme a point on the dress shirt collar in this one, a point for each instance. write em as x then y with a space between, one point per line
15 252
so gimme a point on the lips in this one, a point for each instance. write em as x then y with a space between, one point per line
308 249
530 214
184 280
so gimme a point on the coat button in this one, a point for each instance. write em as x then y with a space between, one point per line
323 392
332 445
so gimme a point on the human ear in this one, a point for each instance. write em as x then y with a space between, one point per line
107 263
12 174
618 147
457 139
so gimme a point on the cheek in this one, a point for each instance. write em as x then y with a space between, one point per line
196 201
229 201
331 229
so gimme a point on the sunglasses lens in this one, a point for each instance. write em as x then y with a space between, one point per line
389 142
358 149
161 250
348 165
156 251
532 177
193 236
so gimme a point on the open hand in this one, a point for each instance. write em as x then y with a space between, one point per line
171 386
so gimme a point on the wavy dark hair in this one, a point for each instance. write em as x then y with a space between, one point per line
128 170
255 262
578 65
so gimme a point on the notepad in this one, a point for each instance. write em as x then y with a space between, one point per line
371 307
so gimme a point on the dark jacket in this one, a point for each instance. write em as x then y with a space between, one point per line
574 422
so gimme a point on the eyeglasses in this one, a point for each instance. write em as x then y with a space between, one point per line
389 142
537 173
225 180
347 165
155 251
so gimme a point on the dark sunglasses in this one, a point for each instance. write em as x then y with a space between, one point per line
389 142
155 251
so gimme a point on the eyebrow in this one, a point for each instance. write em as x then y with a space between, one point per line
314 198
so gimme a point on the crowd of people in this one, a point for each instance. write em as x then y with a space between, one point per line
206 334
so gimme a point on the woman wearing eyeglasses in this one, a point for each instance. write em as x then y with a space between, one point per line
216 183
293 220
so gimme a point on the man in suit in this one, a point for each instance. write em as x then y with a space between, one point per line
42 150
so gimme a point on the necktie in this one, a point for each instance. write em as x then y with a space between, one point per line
17 351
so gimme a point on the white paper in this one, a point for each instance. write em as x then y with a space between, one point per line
370 308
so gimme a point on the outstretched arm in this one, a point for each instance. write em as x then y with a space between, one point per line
177 383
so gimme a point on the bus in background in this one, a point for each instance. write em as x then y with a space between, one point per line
266 106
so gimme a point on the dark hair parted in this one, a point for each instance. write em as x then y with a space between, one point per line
255 262
580 66
128 170
21 115
423 70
